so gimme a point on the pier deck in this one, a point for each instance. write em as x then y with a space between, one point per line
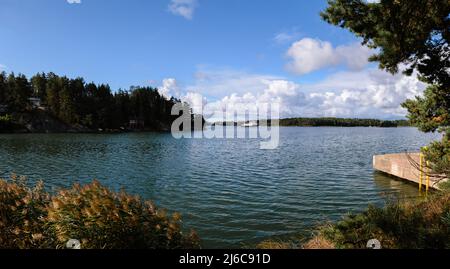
403 166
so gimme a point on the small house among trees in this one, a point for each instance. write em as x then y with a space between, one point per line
136 124
35 102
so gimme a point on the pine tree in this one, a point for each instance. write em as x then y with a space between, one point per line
3 88
18 92
39 84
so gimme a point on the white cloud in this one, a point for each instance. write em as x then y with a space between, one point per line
354 56
379 94
308 55
2 67
196 101
169 88
371 93
276 91
286 36
213 83
74 1
184 8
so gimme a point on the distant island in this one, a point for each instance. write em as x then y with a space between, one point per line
323 122
343 122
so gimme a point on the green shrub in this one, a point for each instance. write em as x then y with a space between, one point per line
397 225
445 186
6 119
438 153
424 225
6 122
92 214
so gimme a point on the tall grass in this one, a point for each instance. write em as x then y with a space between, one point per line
398 225
96 216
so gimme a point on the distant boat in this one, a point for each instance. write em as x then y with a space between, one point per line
249 124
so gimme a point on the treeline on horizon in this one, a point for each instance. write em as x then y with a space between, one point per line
343 122
325 122
91 105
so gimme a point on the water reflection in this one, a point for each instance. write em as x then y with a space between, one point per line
395 188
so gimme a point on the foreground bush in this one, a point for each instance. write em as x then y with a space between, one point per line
412 225
398 225
318 242
92 214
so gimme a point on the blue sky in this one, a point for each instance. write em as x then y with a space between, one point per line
207 51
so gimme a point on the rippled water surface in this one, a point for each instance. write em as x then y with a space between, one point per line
229 191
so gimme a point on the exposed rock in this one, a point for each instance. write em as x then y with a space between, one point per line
39 121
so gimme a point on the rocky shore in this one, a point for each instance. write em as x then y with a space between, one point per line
39 121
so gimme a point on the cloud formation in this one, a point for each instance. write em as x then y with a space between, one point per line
74 1
308 55
169 88
184 8
213 82
377 94
286 36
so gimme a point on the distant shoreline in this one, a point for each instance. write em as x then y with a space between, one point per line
42 122
322 122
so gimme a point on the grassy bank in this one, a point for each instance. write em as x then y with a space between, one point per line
99 218
398 225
